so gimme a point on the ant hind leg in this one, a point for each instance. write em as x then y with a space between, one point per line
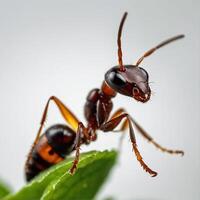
69 117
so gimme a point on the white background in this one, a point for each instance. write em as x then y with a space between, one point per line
63 48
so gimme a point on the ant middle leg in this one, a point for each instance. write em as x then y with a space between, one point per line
82 136
145 134
77 144
113 123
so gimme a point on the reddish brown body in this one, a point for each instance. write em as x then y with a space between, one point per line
57 141
60 140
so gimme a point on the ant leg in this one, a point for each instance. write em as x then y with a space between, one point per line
77 143
113 123
147 136
124 124
150 139
81 136
149 52
123 127
66 113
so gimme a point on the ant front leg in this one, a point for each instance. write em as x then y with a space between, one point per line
113 123
146 135
122 129
150 139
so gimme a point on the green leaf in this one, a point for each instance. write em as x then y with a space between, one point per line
4 190
57 184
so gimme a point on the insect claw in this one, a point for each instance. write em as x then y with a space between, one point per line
154 174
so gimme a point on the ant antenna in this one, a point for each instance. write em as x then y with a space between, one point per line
149 52
121 67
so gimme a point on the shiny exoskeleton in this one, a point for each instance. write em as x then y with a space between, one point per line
58 141
53 146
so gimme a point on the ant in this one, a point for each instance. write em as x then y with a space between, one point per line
60 140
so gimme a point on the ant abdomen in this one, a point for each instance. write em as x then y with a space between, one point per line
52 147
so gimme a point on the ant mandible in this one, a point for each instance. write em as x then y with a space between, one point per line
60 140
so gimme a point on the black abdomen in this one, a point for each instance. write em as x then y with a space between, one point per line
52 147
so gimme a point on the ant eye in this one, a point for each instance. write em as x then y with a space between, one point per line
117 79
136 91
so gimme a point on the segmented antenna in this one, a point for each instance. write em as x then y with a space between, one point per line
121 67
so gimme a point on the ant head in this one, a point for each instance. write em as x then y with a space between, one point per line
132 81
129 80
